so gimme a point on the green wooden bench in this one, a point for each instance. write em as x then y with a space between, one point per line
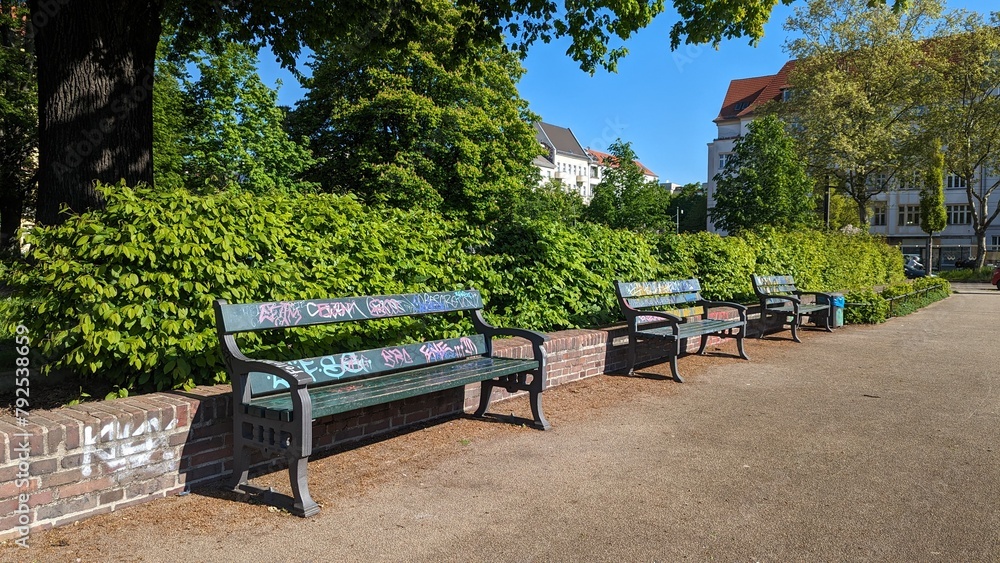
673 311
780 299
276 402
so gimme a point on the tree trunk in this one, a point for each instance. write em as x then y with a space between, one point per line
95 99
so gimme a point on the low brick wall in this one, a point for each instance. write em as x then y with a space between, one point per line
75 462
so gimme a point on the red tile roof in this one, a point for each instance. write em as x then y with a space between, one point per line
601 156
747 94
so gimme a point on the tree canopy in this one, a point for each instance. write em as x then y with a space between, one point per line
857 89
963 111
411 127
764 182
223 128
96 59
625 199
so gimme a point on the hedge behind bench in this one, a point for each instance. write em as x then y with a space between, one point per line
123 295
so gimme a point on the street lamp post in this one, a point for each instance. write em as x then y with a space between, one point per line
677 221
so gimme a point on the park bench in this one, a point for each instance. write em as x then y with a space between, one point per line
276 402
780 299
673 311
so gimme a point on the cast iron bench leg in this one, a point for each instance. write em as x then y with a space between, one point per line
795 326
536 411
485 395
241 467
630 368
739 343
298 474
673 361
704 342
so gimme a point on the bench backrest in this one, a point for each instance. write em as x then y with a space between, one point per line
679 297
251 317
771 285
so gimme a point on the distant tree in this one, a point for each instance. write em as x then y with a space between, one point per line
18 119
933 215
858 87
624 199
693 203
964 114
410 127
764 182
223 129
553 202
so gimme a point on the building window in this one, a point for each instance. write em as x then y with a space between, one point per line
723 159
878 216
995 242
911 181
786 95
909 215
954 181
593 171
959 214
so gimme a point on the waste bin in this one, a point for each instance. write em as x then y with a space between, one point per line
836 308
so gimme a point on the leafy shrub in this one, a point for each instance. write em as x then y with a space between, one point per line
865 307
554 276
126 293
896 300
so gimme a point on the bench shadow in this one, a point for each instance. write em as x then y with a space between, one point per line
277 467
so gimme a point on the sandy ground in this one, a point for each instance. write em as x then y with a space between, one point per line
871 443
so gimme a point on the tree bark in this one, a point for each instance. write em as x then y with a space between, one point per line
95 99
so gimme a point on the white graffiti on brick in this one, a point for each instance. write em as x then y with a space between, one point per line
133 454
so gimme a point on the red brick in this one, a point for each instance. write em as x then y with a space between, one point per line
112 496
60 478
83 487
12 489
41 498
44 466
9 527
65 507
31 433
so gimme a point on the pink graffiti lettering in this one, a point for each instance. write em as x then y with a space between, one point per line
279 314
437 351
334 310
395 357
385 307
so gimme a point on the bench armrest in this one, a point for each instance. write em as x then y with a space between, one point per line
537 339
292 375
741 309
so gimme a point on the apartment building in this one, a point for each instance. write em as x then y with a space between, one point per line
566 160
895 213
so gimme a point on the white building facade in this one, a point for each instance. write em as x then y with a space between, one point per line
578 168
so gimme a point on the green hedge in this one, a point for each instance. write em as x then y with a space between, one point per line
123 295
896 300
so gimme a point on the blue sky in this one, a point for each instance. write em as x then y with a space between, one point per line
663 102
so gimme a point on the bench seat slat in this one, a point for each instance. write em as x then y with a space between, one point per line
350 395
803 308
692 328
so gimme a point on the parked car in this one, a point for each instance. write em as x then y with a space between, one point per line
995 280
